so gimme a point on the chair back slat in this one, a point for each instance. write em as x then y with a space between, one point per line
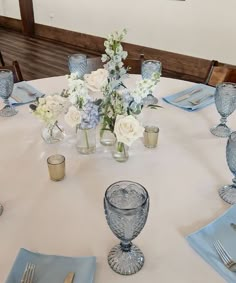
1 59
219 74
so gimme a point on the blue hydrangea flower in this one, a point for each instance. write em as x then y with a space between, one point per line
90 116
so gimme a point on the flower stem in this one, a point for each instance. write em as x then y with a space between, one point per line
56 124
86 138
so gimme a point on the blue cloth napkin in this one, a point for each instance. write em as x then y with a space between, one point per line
52 268
204 91
220 229
24 93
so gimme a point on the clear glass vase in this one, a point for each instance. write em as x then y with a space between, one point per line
120 152
53 133
86 140
107 137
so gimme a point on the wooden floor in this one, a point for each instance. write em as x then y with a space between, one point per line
37 58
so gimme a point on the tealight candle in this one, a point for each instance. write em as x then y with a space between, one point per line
56 167
151 136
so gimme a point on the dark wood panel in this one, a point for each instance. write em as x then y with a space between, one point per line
27 16
174 65
10 23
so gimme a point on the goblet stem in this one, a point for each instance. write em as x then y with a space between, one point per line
7 102
125 246
223 120
234 182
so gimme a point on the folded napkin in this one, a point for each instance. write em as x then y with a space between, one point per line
52 268
24 93
203 93
220 229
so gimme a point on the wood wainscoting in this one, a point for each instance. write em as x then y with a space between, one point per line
174 65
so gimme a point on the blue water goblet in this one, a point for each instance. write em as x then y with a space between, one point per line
225 101
77 63
149 67
6 88
126 206
228 192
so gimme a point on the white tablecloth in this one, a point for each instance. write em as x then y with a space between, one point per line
182 176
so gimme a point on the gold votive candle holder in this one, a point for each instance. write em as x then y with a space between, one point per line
56 167
150 136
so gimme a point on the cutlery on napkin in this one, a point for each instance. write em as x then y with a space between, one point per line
24 93
194 98
69 277
187 95
202 241
54 268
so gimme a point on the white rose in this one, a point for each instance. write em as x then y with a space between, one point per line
73 117
97 79
127 129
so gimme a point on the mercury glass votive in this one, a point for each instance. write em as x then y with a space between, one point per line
150 136
56 167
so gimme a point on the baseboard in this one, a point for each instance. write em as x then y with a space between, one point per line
10 23
174 65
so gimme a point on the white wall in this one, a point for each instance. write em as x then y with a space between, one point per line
10 8
200 28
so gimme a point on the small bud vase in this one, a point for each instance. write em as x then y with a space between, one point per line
53 133
120 152
107 137
86 140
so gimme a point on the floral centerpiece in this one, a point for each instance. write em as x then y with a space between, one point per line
82 113
121 106
48 109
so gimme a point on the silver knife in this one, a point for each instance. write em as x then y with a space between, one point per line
69 277
187 95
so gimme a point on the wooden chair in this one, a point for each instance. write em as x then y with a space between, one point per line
1 59
15 68
134 65
219 74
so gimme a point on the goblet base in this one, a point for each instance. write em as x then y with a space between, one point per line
221 131
126 262
228 194
8 111
1 209
150 99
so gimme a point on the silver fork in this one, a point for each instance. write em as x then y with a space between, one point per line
224 256
200 100
28 274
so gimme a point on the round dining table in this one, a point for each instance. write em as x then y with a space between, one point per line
182 176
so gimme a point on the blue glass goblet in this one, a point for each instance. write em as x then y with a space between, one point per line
78 63
126 208
6 88
149 67
225 100
228 192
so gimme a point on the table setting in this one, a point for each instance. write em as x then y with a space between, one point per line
157 204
